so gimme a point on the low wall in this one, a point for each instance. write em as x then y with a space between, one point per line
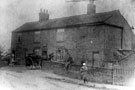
98 75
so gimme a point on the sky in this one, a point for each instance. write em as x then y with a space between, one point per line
14 13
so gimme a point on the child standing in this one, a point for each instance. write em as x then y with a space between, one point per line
83 72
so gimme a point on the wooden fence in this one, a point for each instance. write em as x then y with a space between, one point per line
122 76
114 76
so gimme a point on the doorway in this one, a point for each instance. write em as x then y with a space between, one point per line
96 59
44 52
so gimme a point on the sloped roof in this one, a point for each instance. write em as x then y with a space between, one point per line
112 17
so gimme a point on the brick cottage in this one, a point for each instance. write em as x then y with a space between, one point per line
94 37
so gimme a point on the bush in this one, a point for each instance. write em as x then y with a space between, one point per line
6 59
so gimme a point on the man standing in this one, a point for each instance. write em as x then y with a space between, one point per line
69 61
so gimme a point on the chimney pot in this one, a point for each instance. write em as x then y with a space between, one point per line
47 11
91 8
43 15
44 11
40 10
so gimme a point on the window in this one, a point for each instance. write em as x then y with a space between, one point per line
19 39
60 35
96 33
37 36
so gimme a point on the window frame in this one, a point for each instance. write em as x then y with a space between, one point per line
37 36
19 38
60 35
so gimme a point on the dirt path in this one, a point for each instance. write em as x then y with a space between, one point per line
23 79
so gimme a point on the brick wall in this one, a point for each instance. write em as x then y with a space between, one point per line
80 42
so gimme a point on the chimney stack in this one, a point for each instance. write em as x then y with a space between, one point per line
43 15
91 8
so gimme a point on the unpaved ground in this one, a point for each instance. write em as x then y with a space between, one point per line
17 78
21 78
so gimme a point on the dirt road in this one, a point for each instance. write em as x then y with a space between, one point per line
17 78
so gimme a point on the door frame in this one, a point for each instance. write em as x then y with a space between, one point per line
93 60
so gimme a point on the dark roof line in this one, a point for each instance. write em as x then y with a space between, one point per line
108 18
68 26
113 25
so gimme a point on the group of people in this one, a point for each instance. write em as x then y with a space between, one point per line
35 61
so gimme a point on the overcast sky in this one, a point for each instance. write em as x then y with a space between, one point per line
14 13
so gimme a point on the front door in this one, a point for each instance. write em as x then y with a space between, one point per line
44 52
96 59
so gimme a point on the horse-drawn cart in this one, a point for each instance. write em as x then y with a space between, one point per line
33 61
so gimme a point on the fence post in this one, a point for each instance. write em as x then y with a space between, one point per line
112 75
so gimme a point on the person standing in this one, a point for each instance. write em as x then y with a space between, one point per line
83 71
68 63
12 60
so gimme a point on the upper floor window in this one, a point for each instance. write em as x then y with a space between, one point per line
37 36
19 39
96 32
60 35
